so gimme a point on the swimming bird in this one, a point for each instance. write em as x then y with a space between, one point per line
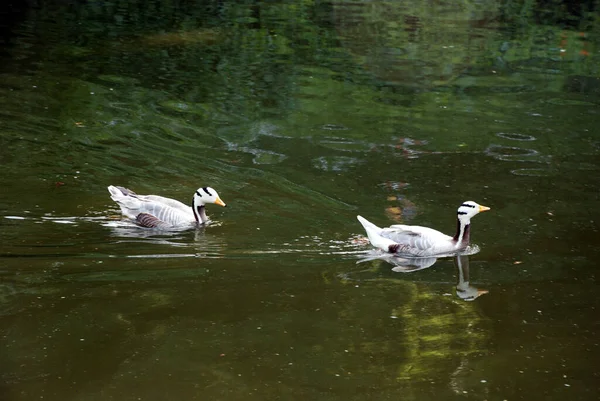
423 241
155 211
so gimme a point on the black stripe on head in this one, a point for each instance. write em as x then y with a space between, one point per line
459 212
199 194
467 205
205 189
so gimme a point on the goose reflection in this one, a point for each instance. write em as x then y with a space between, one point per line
464 290
406 264
129 230
401 264
195 243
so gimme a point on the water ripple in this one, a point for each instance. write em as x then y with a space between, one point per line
345 145
531 172
335 163
514 153
333 127
516 137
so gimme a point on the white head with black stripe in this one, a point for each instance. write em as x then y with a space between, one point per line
469 209
202 196
205 195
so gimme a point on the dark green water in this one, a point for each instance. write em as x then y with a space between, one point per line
302 115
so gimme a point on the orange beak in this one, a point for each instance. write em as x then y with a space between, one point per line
483 208
220 202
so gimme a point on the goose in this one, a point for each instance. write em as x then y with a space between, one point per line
423 241
155 211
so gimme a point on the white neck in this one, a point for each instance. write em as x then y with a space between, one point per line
199 211
462 231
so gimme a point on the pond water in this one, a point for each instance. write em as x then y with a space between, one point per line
302 115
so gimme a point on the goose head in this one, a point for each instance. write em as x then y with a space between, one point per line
469 209
202 196
464 213
205 195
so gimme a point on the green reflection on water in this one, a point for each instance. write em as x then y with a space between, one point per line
302 115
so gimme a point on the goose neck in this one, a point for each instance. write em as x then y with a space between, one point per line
463 233
199 211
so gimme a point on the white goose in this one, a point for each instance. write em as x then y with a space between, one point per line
164 213
423 241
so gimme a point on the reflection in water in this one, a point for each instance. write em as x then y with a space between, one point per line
463 289
408 264
401 264
411 45
188 242
128 229
204 245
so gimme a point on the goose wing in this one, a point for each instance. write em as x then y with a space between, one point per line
417 240
165 214
175 204
147 220
114 190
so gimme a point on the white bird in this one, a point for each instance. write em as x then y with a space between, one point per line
164 213
423 241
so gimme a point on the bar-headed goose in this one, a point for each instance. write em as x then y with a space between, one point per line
155 211
423 241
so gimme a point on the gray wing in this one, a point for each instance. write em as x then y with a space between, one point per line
147 220
420 241
167 214
175 204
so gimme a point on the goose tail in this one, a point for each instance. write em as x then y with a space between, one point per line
119 192
129 204
375 237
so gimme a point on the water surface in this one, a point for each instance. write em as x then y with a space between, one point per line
301 115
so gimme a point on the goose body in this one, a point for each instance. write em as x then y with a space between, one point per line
420 241
155 211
